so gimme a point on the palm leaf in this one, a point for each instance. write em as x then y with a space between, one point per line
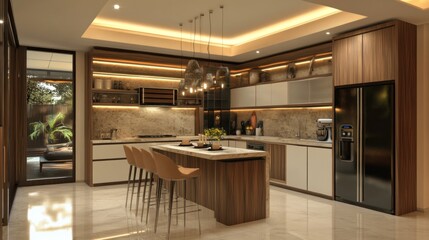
38 129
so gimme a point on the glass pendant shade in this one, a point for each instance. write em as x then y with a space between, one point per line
193 74
221 74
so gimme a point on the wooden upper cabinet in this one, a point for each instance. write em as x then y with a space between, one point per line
379 55
347 60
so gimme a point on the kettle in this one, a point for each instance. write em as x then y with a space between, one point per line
113 133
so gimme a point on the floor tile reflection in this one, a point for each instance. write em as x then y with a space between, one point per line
76 211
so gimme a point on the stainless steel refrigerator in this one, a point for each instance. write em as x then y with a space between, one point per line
364 146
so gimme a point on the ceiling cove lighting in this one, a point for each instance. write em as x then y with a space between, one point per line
114 107
422 4
289 23
136 65
135 77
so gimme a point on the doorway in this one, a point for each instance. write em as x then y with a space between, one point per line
50 117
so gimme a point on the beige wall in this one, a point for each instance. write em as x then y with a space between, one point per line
423 116
80 116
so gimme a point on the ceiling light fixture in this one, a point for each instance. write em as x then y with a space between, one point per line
116 6
289 23
1 21
328 33
257 52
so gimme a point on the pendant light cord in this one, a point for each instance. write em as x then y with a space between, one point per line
210 34
221 7
181 50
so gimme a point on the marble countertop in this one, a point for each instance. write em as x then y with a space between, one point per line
280 140
145 140
228 153
263 139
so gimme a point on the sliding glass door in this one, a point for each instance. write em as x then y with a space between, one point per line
50 85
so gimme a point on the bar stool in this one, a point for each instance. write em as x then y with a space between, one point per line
130 159
139 160
167 170
150 168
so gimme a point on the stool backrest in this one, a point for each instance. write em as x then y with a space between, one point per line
138 158
166 168
149 161
129 155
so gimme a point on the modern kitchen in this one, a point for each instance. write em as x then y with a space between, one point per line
309 124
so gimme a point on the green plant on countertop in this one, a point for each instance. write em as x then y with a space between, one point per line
53 127
215 133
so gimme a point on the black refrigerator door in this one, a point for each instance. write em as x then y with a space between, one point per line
346 139
378 147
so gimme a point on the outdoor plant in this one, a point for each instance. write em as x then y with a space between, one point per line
51 129
215 133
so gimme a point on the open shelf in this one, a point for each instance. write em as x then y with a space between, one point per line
115 91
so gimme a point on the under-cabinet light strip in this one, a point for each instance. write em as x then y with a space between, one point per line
274 68
280 108
135 77
115 107
137 65
297 63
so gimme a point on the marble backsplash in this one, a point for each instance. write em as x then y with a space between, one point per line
288 123
144 120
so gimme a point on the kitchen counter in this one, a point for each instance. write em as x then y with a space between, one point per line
280 140
263 139
228 153
234 182
143 140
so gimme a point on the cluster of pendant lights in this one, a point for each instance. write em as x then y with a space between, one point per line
195 79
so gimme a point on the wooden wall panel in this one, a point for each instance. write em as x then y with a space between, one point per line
235 190
379 55
240 191
406 118
347 60
278 163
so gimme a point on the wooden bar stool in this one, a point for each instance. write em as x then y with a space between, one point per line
150 168
130 159
167 170
139 160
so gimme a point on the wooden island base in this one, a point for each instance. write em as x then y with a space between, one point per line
236 190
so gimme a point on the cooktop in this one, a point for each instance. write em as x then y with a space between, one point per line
155 136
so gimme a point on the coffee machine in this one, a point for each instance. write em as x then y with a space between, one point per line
324 129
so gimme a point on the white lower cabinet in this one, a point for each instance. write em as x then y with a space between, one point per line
237 144
296 166
320 170
110 171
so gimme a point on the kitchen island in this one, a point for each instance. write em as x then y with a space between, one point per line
234 182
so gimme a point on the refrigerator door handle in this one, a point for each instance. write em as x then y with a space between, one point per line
360 159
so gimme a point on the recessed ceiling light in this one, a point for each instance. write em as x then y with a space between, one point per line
116 6
257 52
328 33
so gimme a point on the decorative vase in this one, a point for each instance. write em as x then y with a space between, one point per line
216 145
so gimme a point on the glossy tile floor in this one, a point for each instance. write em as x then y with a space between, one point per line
76 211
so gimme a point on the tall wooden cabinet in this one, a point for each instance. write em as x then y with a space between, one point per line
387 52
347 60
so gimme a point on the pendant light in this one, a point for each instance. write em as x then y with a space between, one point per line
222 72
193 72
208 78
182 85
